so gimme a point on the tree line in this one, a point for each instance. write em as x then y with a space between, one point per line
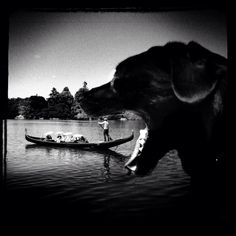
59 105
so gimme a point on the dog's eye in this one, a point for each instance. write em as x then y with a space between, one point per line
200 64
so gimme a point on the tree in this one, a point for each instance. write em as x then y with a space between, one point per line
60 104
78 111
12 109
66 97
53 97
24 108
81 91
37 102
54 93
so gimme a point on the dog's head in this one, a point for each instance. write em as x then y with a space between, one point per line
157 84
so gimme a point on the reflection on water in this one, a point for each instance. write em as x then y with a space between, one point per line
95 182
106 172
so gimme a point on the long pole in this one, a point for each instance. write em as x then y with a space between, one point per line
2 151
3 140
4 23
5 160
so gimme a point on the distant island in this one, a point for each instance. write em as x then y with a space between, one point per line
58 106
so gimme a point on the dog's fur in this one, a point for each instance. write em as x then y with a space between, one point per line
180 90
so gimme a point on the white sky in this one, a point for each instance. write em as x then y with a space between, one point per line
64 49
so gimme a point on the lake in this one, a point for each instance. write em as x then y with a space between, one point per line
92 184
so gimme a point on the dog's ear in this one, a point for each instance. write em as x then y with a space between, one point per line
195 72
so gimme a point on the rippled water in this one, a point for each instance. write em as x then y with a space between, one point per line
95 182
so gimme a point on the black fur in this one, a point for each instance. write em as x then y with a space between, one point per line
180 90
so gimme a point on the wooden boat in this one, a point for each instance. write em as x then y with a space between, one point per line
81 145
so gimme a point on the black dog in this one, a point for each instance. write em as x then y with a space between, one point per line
181 92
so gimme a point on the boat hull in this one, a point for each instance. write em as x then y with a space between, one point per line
98 145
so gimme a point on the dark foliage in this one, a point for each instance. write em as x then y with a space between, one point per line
58 105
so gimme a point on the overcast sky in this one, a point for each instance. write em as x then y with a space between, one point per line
54 49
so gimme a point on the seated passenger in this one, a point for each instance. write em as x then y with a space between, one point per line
48 137
80 138
76 139
71 138
59 138
83 139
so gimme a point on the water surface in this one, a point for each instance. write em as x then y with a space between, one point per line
93 182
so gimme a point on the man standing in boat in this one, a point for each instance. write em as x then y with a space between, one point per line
105 125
